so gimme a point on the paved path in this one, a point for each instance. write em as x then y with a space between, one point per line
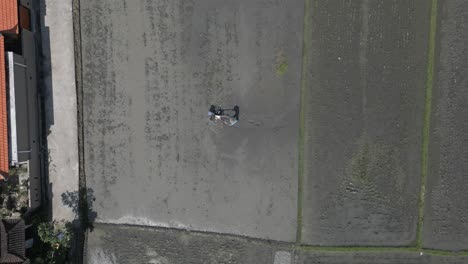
60 101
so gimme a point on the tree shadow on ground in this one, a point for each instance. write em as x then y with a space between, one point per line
81 203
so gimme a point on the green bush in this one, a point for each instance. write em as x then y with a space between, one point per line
14 197
57 235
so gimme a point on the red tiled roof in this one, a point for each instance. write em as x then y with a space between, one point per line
3 113
9 16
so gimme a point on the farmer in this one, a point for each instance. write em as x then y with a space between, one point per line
217 113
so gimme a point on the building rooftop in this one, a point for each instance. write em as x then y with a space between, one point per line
3 112
8 25
9 16
12 241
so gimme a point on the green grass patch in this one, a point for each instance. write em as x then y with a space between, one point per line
281 63
282 67
357 249
438 252
427 120
370 249
300 181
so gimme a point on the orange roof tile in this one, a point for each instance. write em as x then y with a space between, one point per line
3 114
9 16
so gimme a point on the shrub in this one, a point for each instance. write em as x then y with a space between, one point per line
57 235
